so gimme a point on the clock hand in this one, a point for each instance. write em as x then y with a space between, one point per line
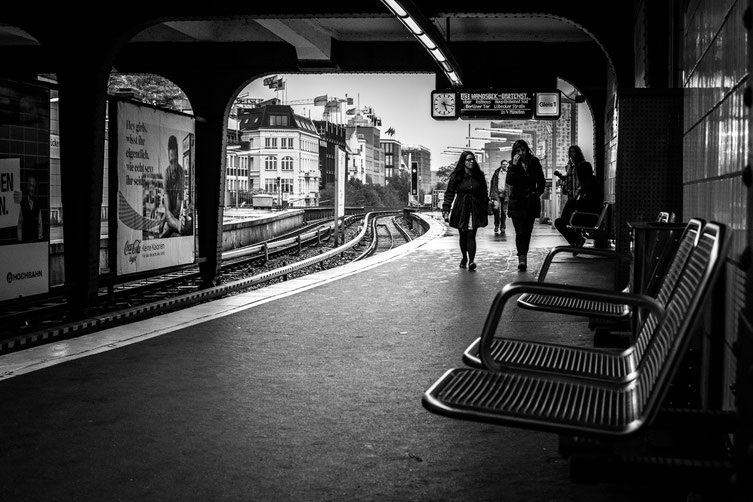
444 104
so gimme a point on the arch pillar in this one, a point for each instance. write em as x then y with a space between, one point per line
82 91
211 105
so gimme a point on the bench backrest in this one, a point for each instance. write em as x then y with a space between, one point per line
688 241
665 217
663 355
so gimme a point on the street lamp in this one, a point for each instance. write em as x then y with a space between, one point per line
279 193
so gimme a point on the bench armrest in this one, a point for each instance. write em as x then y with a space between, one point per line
606 253
580 220
581 292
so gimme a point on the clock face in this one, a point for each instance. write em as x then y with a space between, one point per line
443 105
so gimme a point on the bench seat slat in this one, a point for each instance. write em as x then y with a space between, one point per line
546 403
573 306
558 358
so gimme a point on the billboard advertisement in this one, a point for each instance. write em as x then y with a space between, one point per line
154 164
24 189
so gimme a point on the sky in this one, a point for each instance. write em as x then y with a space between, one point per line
402 101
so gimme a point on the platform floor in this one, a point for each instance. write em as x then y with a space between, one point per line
309 390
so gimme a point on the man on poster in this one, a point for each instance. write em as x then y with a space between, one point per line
30 217
177 220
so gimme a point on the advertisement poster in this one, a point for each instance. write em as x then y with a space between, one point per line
155 184
24 189
10 192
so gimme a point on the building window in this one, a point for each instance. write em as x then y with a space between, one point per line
287 143
286 164
278 120
270 185
270 164
287 185
270 142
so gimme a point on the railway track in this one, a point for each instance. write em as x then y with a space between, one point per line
304 251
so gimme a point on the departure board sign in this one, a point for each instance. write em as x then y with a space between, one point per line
495 104
489 104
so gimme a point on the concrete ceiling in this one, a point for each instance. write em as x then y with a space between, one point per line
362 37
313 32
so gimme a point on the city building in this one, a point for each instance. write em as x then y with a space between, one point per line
392 152
283 154
332 150
422 157
367 137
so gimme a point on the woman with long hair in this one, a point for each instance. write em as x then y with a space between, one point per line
587 198
526 180
465 205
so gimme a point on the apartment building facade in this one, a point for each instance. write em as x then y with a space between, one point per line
282 149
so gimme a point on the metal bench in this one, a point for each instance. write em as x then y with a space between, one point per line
574 405
512 353
598 309
593 225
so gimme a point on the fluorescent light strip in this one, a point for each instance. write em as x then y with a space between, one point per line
428 42
425 40
396 8
438 55
412 25
453 77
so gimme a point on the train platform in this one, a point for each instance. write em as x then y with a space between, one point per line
308 390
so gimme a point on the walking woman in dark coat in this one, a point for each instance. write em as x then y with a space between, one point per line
525 177
466 200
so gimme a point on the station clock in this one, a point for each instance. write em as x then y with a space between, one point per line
444 105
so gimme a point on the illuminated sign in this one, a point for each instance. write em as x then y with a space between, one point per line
488 104
495 104
547 105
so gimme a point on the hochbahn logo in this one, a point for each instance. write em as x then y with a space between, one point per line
20 276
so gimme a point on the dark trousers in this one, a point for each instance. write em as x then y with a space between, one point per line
468 244
500 216
561 223
523 230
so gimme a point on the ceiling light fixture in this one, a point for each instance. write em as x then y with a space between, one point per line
427 41
425 32
396 8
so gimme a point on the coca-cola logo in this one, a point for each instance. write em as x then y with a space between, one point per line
132 247
132 250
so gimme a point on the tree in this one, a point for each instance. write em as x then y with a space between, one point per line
154 90
400 184
357 193
444 173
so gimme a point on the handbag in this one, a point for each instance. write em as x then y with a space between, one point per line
490 208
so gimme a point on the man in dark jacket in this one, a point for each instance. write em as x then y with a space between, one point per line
498 195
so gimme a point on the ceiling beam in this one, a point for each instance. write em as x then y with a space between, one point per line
311 43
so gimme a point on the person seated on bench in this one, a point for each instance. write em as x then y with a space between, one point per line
587 199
